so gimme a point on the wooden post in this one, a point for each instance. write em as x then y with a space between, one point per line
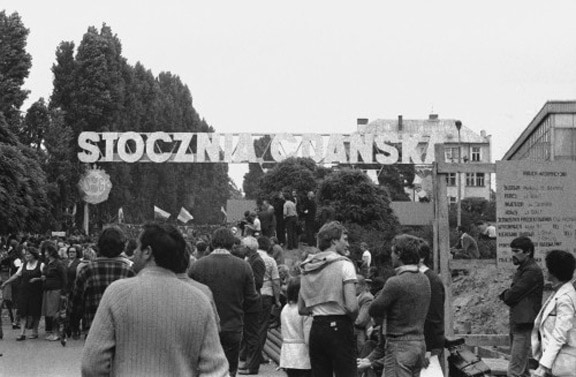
86 219
443 239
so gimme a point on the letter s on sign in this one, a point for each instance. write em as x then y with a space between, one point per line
91 151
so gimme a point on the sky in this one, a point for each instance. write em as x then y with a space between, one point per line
317 66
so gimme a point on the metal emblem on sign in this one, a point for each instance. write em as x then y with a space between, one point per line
95 185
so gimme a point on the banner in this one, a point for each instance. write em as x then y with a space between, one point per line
185 216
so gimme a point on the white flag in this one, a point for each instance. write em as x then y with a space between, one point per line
120 215
161 213
185 216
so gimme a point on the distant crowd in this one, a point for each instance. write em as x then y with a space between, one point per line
161 305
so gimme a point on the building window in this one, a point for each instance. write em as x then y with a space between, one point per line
451 179
452 200
475 179
452 154
476 154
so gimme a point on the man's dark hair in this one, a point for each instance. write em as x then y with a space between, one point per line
329 232
167 244
481 222
407 247
49 249
463 228
131 245
78 249
293 289
111 242
523 243
265 244
222 238
424 251
561 264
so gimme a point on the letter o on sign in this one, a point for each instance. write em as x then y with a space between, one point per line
137 154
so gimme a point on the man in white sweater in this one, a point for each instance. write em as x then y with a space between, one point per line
154 324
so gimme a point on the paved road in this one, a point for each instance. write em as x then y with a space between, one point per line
41 358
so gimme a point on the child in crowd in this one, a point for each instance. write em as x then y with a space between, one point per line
294 356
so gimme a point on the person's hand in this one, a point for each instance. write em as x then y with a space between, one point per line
427 360
363 363
278 304
541 371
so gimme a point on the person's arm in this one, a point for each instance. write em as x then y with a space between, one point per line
529 279
212 360
559 336
16 275
63 277
251 297
383 300
306 326
363 318
350 301
98 352
275 276
302 309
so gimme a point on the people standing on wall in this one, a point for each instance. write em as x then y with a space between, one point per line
278 204
309 214
291 221
267 219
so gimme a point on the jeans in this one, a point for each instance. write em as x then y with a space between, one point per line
520 349
230 341
292 230
404 358
333 346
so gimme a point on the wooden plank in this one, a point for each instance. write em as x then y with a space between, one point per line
469 167
470 264
498 367
485 340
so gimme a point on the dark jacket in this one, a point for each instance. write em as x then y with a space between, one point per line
524 297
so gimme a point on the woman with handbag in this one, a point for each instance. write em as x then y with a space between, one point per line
554 333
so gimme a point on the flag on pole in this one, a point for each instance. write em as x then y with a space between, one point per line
184 215
158 212
120 215
224 212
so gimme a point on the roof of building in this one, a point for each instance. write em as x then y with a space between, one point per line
443 129
550 107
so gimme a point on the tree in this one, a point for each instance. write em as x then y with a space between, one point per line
349 196
294 173
394 178
23 203
36 122
15 64
251 183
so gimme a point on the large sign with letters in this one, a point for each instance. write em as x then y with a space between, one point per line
197 147
535 199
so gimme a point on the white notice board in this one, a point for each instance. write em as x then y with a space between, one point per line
536 199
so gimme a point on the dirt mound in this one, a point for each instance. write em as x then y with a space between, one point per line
477 308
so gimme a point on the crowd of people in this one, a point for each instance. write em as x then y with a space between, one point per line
162 305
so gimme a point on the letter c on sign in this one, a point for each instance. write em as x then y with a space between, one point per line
138 153
152 138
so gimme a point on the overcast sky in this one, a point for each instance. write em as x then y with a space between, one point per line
316 66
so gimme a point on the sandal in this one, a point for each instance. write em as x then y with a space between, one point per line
21 337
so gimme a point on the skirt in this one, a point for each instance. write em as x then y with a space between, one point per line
51 303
